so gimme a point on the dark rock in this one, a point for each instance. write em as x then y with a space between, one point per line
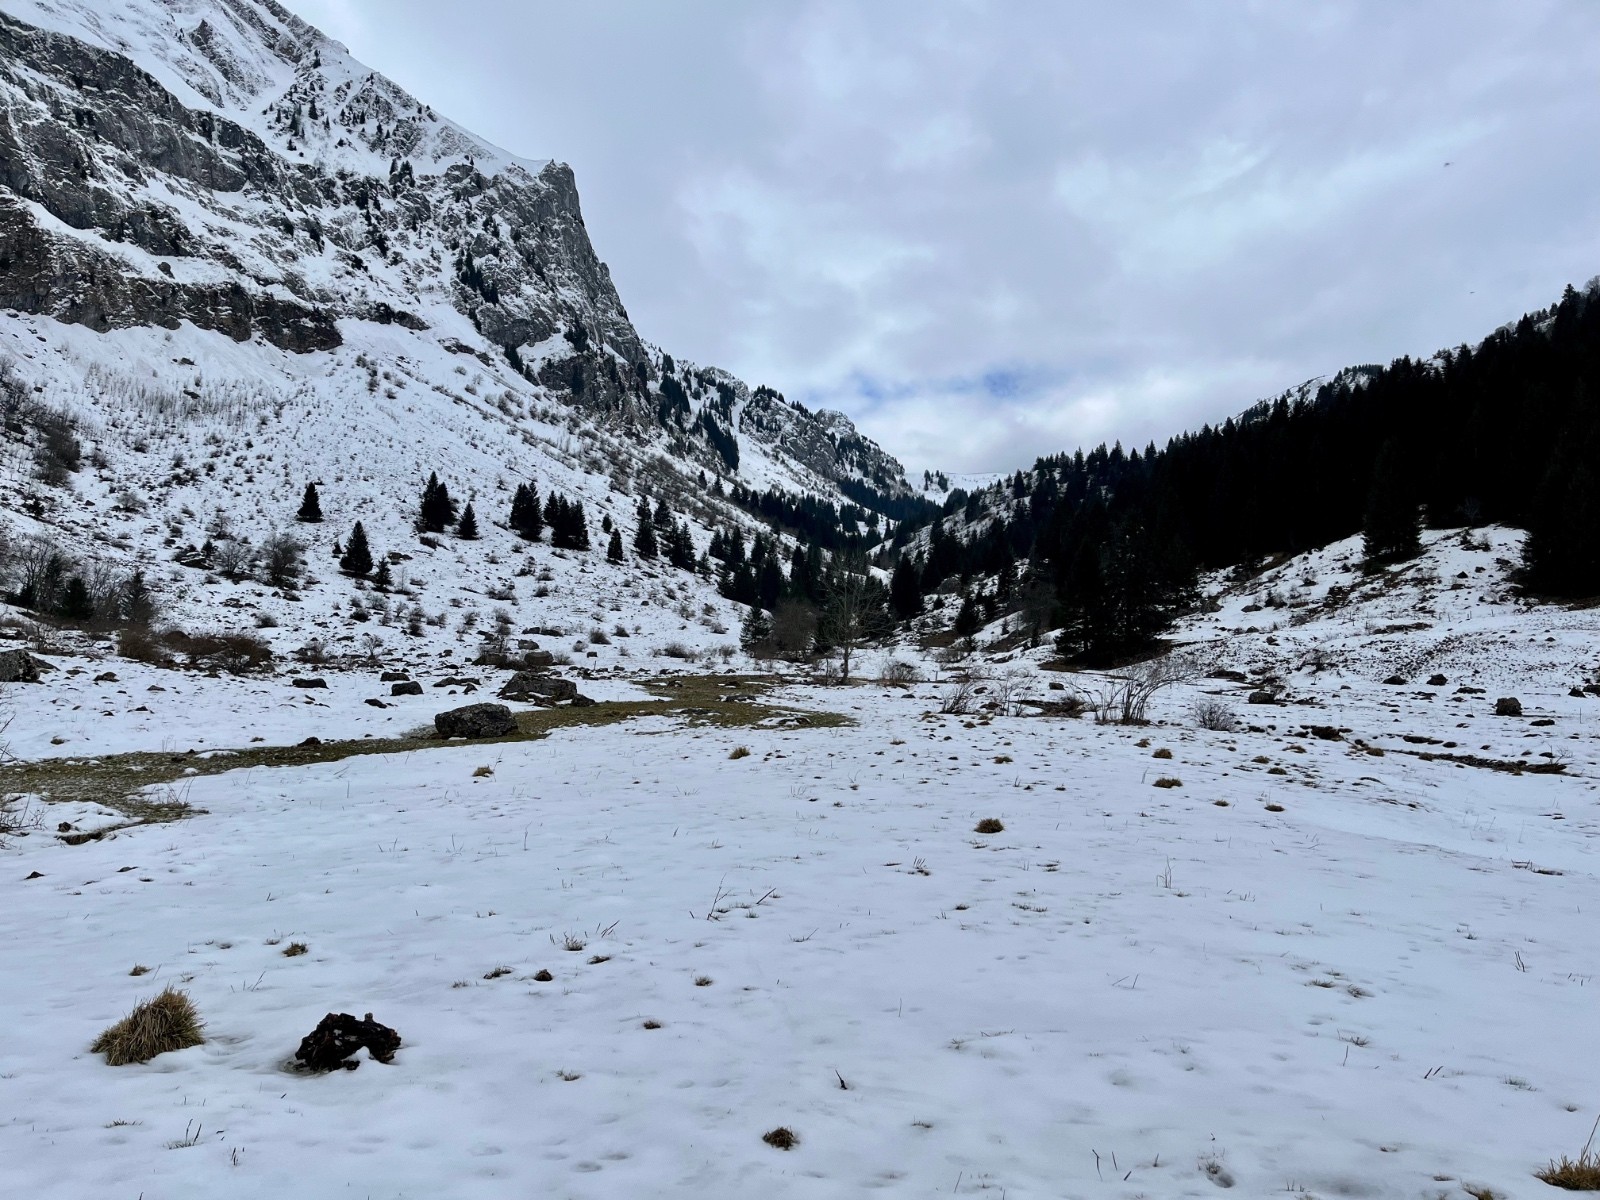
107 677
338 1036
1508 706
1592 689
312 742
375 703
476 721
1437 681
409 688
1577 693
308 683
393 677
1262 698
1542 722
1465 690
538 658
18 666
457 681
1395 681
1328 733
579 700
537 688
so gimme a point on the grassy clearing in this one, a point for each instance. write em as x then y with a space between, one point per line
132 783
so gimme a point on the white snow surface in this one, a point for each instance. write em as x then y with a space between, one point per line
1328 968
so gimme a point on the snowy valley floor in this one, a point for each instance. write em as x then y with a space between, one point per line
1384 989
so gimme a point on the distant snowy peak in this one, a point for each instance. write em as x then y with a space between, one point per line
264 68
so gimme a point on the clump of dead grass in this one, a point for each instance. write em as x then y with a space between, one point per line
781 1138
1167 781
990 825
165 1022
295 949
740 752
1581 1174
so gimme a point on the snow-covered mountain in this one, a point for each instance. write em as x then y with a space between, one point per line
238 260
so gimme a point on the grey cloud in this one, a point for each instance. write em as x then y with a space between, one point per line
1153 213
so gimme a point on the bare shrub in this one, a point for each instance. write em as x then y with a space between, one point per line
1124 698
958 698
677 650
896 673
1210 713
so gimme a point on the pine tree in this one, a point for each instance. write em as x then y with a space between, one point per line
755 631
437 509
310 506
357 558
1393 528
75 602
383 578
614 547
138 602
968 622
644 539
527 518
905 588
467 527
580 526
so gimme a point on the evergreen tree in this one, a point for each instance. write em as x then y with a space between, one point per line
968 621
437 509
680 547
663 518
578 526
527 518
1393 528
755 631
138 603
614 547
905 588
467 527
76 604
357 558
310 506
644 538
383 578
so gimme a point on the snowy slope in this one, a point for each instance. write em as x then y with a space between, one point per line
1321 967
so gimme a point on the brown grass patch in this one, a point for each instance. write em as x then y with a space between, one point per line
1167 781
295 949
740 752
990 825
166 1022
1162 752
781 1138
1581 1174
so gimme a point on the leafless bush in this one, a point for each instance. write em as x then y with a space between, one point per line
893 671
1009 689
281 560
958 698
1211 713
676 650
1125 696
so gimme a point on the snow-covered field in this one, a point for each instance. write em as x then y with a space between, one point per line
1313 968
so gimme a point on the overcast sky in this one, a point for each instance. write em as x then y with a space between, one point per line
993 230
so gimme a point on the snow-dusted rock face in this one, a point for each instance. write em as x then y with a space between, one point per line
222 163
223 240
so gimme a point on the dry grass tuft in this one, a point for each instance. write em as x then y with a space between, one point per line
295 949
652 1024
543 977
1167 781
990 825
781 1138
483 773
166 1022
1162 752
1274 808
1581 1174
740 752
139 969
702 981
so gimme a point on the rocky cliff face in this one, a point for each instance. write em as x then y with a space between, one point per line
222 163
